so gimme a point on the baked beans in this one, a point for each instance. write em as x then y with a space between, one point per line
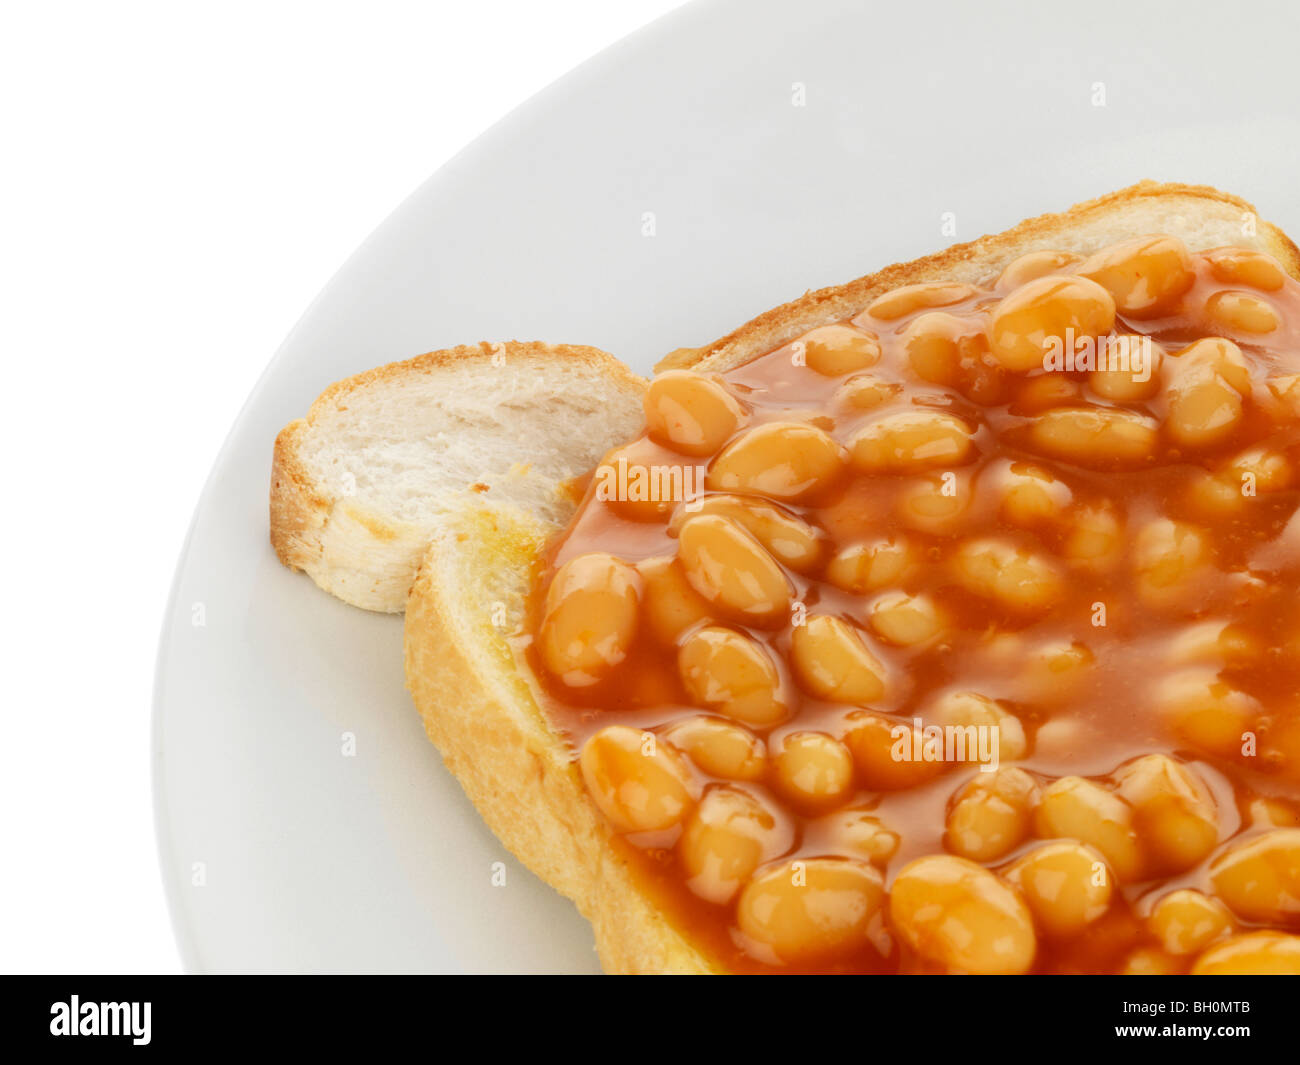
976 648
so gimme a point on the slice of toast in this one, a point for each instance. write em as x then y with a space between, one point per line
480 712
479 704
359 484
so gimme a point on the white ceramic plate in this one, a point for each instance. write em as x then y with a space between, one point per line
913 116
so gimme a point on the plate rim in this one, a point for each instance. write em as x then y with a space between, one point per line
183 927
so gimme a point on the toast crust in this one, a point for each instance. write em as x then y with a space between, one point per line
476 700
481 714
977 260
357 554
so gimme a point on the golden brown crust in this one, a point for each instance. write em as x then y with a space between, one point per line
480 713
974 260
513 351
314 530
298 511
478 706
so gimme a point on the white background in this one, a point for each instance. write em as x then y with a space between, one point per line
179 180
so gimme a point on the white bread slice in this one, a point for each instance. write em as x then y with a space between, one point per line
359 484
479 705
